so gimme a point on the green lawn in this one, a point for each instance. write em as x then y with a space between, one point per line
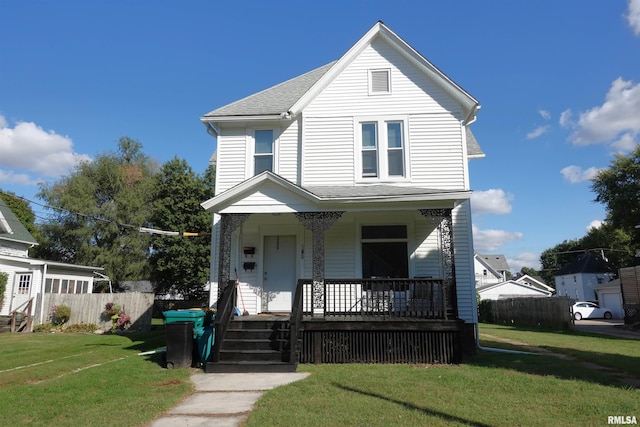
491 389
86 379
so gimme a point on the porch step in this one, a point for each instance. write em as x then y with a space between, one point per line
254 345
249 366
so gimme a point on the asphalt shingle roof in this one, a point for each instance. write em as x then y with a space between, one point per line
587 263
277 99
18 232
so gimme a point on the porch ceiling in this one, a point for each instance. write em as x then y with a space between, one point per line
271 193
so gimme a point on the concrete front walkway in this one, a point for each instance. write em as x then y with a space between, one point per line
223 400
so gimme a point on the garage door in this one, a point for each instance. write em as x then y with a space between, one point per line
613 301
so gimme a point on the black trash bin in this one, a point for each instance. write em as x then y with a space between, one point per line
179 344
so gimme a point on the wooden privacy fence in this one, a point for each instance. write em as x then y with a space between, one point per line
89 308
554 312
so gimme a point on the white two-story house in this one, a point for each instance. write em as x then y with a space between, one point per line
342 196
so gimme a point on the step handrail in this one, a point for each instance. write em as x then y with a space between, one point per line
295 323
226 303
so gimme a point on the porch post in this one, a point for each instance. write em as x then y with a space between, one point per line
318 223
443 219
228 224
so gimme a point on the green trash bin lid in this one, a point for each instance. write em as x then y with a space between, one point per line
195 316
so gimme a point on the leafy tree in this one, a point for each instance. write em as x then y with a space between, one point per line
97 210
180 264
529 271
618 188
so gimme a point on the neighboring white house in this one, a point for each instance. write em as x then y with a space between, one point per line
579 278
357 169
536 282
29 277
490 269
511 289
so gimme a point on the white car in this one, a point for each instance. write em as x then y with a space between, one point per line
590 310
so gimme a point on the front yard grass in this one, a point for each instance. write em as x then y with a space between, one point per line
86 379
490 389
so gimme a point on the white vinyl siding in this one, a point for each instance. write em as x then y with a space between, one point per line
232 158
465 280
339 251
288 153
328 151
412 91
436 151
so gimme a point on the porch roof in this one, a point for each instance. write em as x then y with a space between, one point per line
268 192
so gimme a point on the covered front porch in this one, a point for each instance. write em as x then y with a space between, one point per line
381 272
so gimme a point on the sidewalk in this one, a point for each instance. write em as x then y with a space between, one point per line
223 400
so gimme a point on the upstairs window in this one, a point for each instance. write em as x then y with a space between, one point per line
263 151
379 82
370 149
383 153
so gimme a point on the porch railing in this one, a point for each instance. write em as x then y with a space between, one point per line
355 299
226 303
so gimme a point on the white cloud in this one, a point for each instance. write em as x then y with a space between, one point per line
617 115
575 174
544 114
596 223
526 259
540 130
566 118
494 201
28 149
633 17
485 241
624 144
16 178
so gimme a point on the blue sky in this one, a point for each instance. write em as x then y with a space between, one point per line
558 81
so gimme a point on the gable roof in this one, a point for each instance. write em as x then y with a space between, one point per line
11 228
587 263
290 97
535 281
512 284
496 262
314 196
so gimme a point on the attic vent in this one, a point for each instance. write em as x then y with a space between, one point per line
379 81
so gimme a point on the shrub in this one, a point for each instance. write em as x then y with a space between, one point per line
60 314
4 277
45 327
81 327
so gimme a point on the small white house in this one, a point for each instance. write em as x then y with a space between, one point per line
579 278
490 269
29 278
511 289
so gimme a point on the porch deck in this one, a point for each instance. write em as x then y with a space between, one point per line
361 321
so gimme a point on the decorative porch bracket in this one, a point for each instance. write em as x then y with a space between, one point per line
228 224
318 223
443 219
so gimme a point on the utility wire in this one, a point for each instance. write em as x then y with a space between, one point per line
121 225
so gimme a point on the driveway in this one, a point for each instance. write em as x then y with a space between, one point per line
613 327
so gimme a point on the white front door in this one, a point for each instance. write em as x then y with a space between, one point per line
279 273
21 291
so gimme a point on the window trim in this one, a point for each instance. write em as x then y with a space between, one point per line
382 149
251 148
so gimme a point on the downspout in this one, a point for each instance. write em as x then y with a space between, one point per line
499 350
42 284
